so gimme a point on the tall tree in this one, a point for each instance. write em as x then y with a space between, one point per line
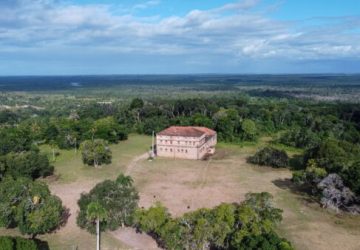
118 197
96 212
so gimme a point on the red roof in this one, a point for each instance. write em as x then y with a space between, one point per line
187 131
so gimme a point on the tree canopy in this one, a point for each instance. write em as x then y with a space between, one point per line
29 206
95 152
30 164
249 225
118 198
269 156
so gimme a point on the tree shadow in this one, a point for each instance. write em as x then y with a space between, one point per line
302 191
296 162
42 245
64 217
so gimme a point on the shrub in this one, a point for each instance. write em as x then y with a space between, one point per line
29 164
6 243
351 177
269 156
25 244
18 243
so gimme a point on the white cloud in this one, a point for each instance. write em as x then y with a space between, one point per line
147 4
232 30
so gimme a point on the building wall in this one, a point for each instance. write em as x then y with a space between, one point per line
183 147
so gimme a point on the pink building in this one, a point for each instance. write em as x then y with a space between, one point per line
186 142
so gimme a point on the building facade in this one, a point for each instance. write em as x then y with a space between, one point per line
186 142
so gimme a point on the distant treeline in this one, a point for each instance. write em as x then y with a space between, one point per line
217 82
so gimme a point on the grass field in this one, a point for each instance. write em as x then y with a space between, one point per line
185 185
69 167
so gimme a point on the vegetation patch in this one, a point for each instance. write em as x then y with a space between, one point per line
270 156
249 225
18 243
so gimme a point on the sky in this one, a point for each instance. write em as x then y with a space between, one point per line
77 37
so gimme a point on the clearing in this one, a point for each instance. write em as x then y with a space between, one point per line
186 185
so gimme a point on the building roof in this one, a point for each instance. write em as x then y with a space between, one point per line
187 131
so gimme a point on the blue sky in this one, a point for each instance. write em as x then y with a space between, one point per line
62 37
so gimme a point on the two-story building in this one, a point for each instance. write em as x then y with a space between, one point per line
186 142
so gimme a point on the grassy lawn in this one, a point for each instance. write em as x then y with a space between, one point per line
69 167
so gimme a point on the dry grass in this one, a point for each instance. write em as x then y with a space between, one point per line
185 185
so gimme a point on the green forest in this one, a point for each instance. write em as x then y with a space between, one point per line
328 168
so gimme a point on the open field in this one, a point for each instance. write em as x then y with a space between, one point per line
185 185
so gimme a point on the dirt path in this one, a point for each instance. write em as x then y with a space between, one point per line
137 241
70 194
133 163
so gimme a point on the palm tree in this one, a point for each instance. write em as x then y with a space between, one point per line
96 212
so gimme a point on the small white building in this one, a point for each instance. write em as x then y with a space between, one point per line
186 142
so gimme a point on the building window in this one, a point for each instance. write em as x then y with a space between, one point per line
185 150
170 149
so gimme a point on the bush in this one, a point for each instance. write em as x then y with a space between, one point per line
25 244
29 164
6 243
152 219
351 177
18 243
269 156
264 241
312 175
